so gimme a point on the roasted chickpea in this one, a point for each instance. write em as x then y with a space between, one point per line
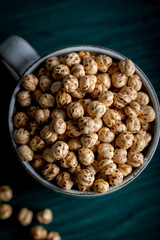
49 136
25 153
83 54
103 62
47 155
133 124
105 150
89 140
21 136
86 156
55 87
113 68
70 161
96 109
5 211
119 80
98 124
30 82
99 88
38 162
63 99
64 181
120 156
25 216
58 125
37 143
106 98
78 93
31 111
133 110
135 159
46 100
125 168
45 83
100 186
103 163
74 144
105 135
111 117
84 103
78 71
24 98
58 113
135 82
145 126
104 79
139 143
71 59
125 140
43 72
42 115
116 178
75 110
45 216
86 125
127 67
6 193
108 169
69 83
118 128
53 236
60 71
51 63
37 94
147 114
130 92
90 66
60 150
142 98
121 100
20 120
38 233
87 83
50 171
122 113
85 178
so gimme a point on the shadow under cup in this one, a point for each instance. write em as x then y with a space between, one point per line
147 87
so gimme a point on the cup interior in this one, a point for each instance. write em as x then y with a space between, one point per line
147 87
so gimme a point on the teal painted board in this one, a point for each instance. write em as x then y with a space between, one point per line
129 27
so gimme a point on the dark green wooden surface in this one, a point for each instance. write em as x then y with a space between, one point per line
130 27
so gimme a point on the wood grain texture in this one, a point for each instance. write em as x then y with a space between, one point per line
129 27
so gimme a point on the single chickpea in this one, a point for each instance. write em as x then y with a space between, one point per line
127 67
42 115
147 114
142 98
60 71
25 153
50 171
24 98
25 216
46 100
84 103
121 100
134 81
78 71
85 177
99 88
116 178
78 93
105 162
86 156
119 80
63 99
91 168
89 140
37 94
69 83
30 82
58 125
38 162
53 236
31 111
105 150
71 59
64 181
98 124
139 143
87 83
147 138
105 135
60 150
83 54
86 125
37 143
133 124
58 113
74 144
120 156
118 128
51 63
130 92
70 161
96 109
43 72
5 211
21 136
55 87
90 66
109 169
146 126
49 136
6 193
33 128
38 233
47 155
111 117
133 110
72 129
125 140
104 78
45 83
106 98
113 68
75 110
20 120
125 168
103 62
45 216
135 159
100 186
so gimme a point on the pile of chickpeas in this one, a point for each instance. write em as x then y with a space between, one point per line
83 121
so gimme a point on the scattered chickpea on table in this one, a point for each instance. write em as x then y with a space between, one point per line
83 121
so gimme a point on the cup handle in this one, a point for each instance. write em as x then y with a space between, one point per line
17 55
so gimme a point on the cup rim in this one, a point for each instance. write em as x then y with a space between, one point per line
146 83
